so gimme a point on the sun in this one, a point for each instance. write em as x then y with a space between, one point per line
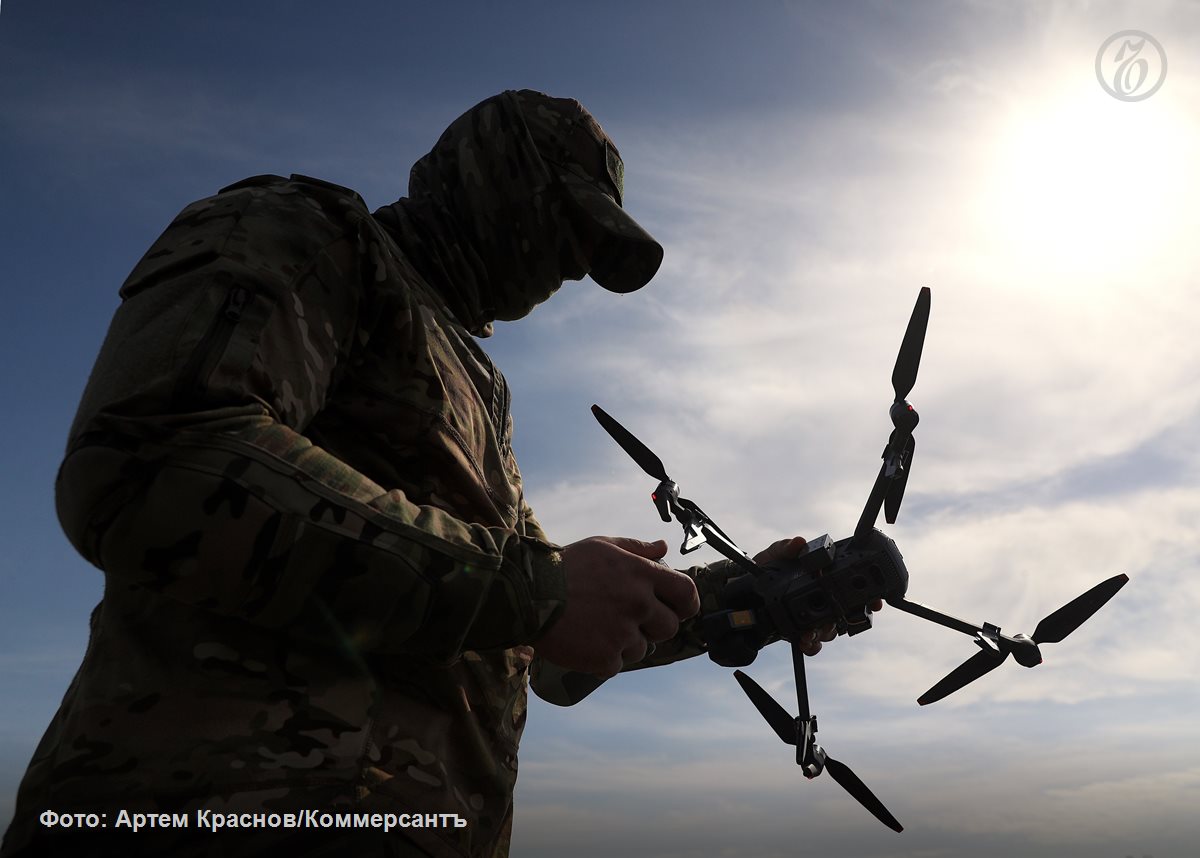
1082 185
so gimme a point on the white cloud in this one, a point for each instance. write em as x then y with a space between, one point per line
1058 394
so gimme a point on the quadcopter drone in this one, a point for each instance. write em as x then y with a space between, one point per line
836 582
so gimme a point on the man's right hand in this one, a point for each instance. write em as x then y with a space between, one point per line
619 601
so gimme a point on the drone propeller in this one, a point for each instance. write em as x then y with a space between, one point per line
996 647
1072 615
970 670
810 756
698 528
637 451
781 722
888 490
895 494
666 496
851 783
904 375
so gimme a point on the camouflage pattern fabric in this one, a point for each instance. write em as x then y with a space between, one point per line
292 462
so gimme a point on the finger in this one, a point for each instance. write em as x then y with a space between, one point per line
768 553
782 549
877 605
650 550
605 662
678 592
809 645
661 625
635 651
610 669
828 633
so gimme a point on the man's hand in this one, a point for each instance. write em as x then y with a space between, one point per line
785 549
619 601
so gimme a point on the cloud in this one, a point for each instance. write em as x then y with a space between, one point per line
1001 777
1058 398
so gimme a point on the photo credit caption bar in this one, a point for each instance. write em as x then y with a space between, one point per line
211 820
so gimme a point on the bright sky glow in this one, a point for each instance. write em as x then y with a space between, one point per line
1079 187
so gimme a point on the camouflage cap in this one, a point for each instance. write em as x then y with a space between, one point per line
575 148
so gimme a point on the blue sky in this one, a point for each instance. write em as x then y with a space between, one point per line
807 167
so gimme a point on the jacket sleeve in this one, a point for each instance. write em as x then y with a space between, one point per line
187 472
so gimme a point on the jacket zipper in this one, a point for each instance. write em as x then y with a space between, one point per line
207 353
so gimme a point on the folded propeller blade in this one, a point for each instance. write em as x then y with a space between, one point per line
904 376
781 722
850 783
637 451
895 492
1072 615
970 670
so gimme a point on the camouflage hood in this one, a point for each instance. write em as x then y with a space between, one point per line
521 192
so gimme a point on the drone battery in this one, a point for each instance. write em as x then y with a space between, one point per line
734 637
818 554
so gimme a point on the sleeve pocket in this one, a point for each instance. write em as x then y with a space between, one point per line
220 362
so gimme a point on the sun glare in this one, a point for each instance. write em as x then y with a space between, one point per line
1088 186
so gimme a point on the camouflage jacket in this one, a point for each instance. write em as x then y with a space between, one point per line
293 465
292 462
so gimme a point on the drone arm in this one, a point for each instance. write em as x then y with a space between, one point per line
813 759
866 523
732 552
927 613
801 680
725 546
691 516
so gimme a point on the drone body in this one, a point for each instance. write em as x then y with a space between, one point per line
836 582
830 583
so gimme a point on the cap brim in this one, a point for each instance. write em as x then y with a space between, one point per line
626 257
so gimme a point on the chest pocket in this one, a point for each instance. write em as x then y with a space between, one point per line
423 409
475 410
